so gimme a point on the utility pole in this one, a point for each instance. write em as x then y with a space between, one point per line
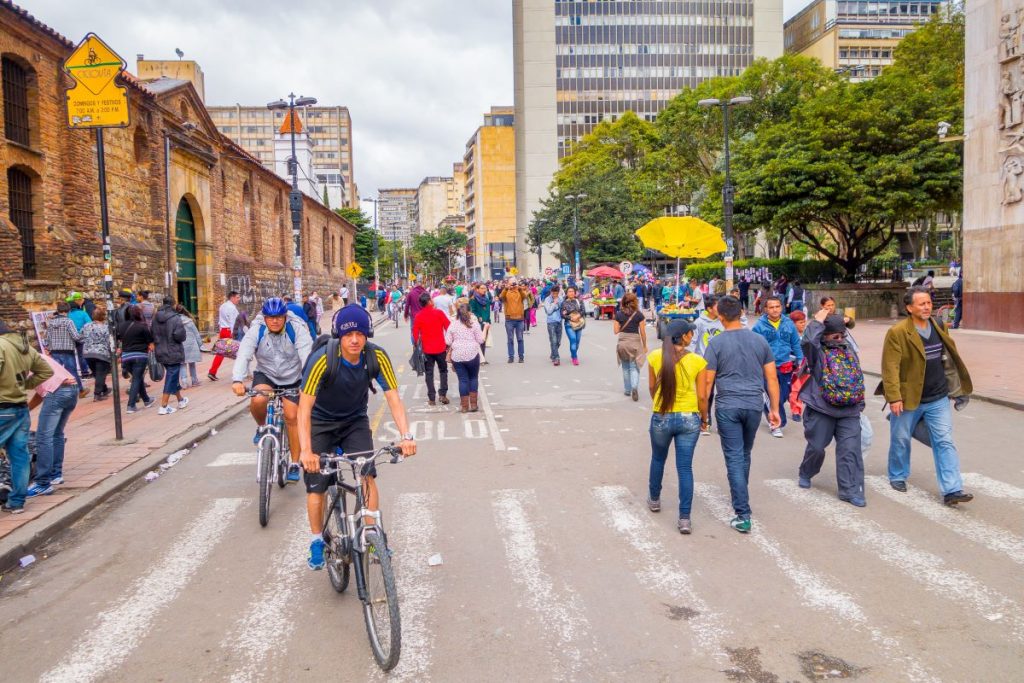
575 199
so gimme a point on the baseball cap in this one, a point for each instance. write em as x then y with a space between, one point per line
677 328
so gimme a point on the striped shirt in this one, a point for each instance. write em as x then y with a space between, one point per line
348 393
61 334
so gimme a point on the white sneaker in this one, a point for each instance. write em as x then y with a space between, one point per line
705 432
166 410
183 402
777 433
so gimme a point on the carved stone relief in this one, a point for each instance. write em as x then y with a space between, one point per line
1011 105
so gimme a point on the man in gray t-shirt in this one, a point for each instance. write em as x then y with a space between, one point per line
740 365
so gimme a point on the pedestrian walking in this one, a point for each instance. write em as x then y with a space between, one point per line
958 298
833 399
136 343
744 292
464 338
344 295
21 368
96 349
429 329
226 316
741 365
631 348
795 297
480 305
515 299
782 338
193 348
412 303
148 307
80 318
553 318
445 302
169 339
531 309
921 371
708 326
58 397
677 380
574 317
61 341
120 314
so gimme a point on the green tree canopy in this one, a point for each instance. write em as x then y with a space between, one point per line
436 251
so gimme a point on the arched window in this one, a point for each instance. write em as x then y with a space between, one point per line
141 143
20 200
326 245
19 81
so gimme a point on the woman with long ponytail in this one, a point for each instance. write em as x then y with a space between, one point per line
677 383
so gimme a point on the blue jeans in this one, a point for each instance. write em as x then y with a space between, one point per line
67 359
630 375
737 428
555 338
515 328
53 416
685 429
938 417
796 305
14 424
574 340
468 372
137 390
785 382
172 379
958 312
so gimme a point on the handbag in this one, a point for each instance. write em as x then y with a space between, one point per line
417 362
226 347
156 370
867 433
577 320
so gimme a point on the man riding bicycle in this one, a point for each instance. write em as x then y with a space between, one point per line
332 412
280 343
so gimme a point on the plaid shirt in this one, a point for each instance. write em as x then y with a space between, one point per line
61 334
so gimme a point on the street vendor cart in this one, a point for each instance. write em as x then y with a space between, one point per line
603 308
668 313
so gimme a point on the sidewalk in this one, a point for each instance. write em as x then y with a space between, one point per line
91 456
993 360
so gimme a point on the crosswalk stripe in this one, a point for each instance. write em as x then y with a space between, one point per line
992 537
560 613
926 568
993 488
121 628
265 624
233 458
817 590
413 535
657 570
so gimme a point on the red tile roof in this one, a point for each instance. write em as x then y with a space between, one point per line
28 18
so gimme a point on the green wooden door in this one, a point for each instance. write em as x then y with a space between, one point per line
185 253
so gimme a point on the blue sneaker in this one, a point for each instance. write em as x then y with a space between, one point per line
57 480
804 482
315 559
855 500
294 472
37 490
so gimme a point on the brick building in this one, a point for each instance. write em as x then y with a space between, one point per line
191 213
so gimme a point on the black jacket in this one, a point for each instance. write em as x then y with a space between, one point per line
169 335
135 336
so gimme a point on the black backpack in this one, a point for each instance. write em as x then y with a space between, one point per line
333 359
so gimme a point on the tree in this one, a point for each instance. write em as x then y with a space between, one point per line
437 251
327 200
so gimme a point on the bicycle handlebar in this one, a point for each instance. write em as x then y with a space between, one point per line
272 393
360 459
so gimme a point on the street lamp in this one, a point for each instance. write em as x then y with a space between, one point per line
295 196
575 199
727 190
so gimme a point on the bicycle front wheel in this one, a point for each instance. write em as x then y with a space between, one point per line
337 560
268 463
380 610
283 459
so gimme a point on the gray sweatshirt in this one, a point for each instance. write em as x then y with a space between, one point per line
276 357
706 330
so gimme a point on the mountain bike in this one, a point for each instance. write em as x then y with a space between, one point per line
352 544
272 452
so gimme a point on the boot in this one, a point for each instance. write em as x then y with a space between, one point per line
472 402
464 400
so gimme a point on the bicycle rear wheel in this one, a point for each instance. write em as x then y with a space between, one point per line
268 462
338 564
380 609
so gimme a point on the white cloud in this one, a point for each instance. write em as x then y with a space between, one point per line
791 7
416 75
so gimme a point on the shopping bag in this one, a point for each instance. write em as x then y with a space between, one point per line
156 370
226 347
867 433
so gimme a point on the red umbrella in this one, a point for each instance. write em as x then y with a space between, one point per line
605 271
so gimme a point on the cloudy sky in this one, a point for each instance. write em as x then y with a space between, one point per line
416 74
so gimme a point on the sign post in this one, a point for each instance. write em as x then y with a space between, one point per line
354 270
97 101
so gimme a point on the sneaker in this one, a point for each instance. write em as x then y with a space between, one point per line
777 433
183 403
556 362
294 472
705 431
57 481
511 359
796 418
131 411
522 360
804 482
900 486
684 526
575 361
38 490
856 500
13 510
653 505
625 393
952 499
741 525
149 403
211 376
166 410
315 558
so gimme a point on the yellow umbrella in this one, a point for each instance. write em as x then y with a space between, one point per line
682 237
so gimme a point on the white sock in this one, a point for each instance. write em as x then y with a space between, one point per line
314 537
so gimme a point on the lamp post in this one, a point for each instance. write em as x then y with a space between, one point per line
295 196
376 246
727 189
575 199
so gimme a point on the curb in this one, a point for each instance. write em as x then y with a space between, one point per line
29 537
1013 405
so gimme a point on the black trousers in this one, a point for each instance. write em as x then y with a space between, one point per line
100 370
820 430
442 368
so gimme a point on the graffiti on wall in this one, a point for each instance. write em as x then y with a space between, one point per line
255 291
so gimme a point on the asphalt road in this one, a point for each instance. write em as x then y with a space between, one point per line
553 569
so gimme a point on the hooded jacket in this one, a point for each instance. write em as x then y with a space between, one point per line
412 302
21 368
169 336
706 330
784 342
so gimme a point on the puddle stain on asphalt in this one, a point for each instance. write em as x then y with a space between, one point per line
818 666
747 667
677 613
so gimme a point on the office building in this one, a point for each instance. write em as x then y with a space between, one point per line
330 133
178 69
397 214
579 63
855 38
490 196
436 199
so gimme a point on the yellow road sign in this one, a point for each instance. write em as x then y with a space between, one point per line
354 269
513 271
96 100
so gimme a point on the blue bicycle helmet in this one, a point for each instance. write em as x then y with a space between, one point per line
274 307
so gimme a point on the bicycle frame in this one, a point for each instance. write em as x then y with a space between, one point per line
271 429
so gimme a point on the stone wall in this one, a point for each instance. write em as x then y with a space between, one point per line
872 300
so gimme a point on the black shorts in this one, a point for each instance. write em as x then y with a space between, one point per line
353 437
258 378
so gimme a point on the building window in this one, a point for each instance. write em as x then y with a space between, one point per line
19 199
326 248
16 84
